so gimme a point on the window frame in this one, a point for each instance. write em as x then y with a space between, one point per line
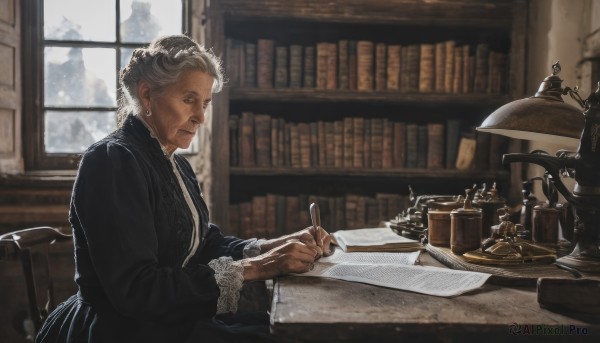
35 157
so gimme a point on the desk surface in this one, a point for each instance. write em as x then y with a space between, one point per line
311 309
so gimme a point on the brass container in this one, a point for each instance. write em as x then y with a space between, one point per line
545 224
439 228
465 230
438 222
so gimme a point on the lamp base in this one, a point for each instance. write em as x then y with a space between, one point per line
579 263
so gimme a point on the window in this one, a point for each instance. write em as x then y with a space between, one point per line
73 51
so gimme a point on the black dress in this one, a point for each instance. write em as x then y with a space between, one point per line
132 230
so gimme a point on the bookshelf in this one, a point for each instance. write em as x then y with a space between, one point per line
360 126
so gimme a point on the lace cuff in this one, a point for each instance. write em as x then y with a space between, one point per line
230 278
253 248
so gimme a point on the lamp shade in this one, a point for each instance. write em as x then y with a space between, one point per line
543 119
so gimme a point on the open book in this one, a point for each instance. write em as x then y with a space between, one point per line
396 270
375 239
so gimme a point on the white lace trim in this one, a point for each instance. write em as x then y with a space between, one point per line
253 248
230 278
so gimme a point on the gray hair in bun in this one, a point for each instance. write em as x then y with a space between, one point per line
161 64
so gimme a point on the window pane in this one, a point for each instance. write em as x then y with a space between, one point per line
144 20
83 77
73 132
125 56
80 20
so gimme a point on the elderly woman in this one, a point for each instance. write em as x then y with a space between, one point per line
149 265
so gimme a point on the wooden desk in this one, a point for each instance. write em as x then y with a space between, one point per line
318 309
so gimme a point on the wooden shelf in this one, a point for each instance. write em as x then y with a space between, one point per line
465 13
362 172
389 97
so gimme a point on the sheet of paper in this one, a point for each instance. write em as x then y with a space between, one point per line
367 237
396 270
339 256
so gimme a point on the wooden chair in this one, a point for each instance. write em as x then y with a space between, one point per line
17 245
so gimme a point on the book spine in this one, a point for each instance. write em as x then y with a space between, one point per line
234 158
332 67
449 66
357 144
330 144
262 131
412 136
232 60
380 66
275 129
393 67
422 141
399 150
314 144
458 70
466 77
364 50
387 159
352 66
281 67
304 138
266 50
292 213
282 147
427 68
246 225
377 143
367 152
440 67
309 67
452 139
348 142
466 152
295 154
250 69
321 145
295 66
287 143
343 64
435 146
246 141
322 65
338 128
481 68
271 216
412 67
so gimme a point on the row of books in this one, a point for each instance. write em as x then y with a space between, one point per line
272 215
443 67
260 140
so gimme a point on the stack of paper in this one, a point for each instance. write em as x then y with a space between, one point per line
375 239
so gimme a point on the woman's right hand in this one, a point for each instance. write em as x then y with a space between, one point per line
293 256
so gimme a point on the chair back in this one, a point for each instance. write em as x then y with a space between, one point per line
17 245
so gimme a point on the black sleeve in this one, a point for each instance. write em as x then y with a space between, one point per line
112 199
217 245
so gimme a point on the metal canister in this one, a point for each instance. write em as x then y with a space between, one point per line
545 224
439 222
465 229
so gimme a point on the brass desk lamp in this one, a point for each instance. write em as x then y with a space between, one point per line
546 117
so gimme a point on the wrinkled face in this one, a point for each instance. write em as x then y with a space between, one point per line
179 110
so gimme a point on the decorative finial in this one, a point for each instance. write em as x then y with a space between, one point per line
556 68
